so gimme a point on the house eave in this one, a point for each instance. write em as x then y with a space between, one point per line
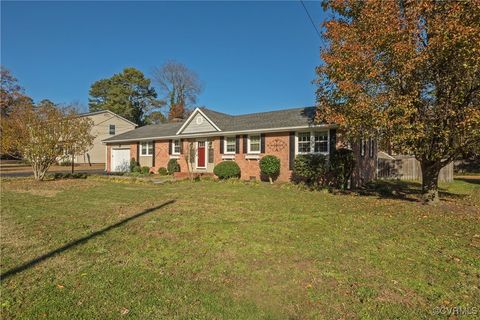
224 133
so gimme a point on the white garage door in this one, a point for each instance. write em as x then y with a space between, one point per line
120 160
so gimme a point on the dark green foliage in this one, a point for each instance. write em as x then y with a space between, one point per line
134 165
270 167
342 163
173 166
310 169
162 171
145 170
77 175
227 170
128 94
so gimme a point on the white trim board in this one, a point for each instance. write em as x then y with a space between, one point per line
190 118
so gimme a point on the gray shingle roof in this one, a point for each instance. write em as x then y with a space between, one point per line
255 121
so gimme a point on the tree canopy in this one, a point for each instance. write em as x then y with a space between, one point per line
407 72
127 94
11 93
180 87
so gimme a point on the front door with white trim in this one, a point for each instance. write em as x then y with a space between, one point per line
201 155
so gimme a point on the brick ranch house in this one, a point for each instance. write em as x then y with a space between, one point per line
245 139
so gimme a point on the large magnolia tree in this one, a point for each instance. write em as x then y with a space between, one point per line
44 135
407 72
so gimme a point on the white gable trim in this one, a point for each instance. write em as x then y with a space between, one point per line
190 118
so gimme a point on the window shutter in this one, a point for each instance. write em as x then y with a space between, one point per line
181 146
153 154
138 152
333 141
262 143
245 144
237 144
291 153
210 152
222 144
170 147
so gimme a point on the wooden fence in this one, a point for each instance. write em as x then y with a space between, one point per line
408 168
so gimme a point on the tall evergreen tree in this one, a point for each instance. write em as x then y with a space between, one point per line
127 94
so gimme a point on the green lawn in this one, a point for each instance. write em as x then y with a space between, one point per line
230 250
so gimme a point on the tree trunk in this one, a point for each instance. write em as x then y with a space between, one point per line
430 172
73 162
270 179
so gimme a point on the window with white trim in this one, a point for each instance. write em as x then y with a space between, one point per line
146 148
253 144
230 144
362 147
312 142
320 141
176 146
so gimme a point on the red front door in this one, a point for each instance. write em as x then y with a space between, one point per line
201 154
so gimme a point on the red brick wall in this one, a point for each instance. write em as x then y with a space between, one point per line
134 151
365 166
109 158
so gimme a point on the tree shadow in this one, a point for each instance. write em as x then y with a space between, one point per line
80 241
469 180
401 190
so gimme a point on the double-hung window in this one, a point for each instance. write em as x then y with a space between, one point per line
254 144
176 146
111 129
146 148
230 144
312 142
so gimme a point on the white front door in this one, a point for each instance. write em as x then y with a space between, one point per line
120 160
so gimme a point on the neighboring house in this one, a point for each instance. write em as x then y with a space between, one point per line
217 137
106 124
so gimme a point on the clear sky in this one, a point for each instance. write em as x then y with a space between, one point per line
251 56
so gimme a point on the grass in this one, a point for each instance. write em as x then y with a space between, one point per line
234 250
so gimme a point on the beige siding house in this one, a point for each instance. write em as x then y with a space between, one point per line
106 124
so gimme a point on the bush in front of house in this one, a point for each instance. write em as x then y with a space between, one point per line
342 163
311 169
134 165
270 167
227 169
145 170
162 171
173 166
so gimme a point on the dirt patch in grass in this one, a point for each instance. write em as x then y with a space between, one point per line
48 188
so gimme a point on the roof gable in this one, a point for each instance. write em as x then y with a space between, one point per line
198 122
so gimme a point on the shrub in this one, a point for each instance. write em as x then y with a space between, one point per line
227 169
134 165
145 170
173 166
342 163
137 169
270 166
310 169
76 175
162 171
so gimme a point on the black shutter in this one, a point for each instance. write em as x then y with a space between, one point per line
262 143
138 152
181 146
170 147
333 140
245 144
237 144
291 153
221 145
153 147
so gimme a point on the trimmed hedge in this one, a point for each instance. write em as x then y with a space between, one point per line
173 166
270 167
162 171
227 169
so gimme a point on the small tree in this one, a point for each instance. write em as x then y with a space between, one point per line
342 163
189 157
270 166
44 135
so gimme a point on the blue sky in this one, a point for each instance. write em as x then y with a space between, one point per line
251 56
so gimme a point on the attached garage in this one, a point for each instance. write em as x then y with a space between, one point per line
120 160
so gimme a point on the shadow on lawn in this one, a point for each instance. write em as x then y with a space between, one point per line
77 242
401 190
